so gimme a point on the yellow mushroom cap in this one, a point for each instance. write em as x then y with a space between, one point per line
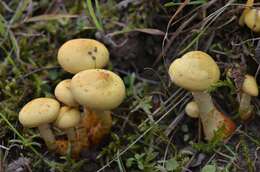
194 71
63 93
98 89
192 109
67 118
39 111
250 86
252 20
80 54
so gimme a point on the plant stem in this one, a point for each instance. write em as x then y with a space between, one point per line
93 16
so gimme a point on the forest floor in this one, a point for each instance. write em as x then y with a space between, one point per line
151 131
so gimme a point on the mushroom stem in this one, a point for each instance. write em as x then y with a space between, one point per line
71 134
212 119
104 118
47 136
245 108
95 124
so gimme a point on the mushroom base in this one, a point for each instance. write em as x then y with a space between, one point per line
96 124
212 119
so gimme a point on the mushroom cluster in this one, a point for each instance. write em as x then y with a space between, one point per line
95 90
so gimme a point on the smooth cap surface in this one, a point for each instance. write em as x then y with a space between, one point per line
39 111
63 93
80 54
250 86
252 20
192 109
194 71
67 118
98 89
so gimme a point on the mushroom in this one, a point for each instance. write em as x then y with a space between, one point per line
249 89
80 54
250 17
67 119
99 91
252 20
196 71
192 109
62 93
39 113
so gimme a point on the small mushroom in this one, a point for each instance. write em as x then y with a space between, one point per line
250 17
102 91
252 20
192 109
39 113
196 71
249 89
62 93
67 119
81 54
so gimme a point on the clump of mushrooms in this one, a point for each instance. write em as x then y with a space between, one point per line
80 54
101 92
249 89
39 113
196 71
250 17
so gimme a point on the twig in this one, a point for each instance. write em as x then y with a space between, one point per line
142 135
137 77
36 71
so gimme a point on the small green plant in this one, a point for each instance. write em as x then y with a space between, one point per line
213 144
209 168
144 161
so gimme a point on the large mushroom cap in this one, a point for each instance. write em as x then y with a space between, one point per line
194 71
98 89
252 20
250 86
80 54
63 93
39 111
67 118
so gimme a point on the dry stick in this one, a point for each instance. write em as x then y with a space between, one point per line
171 99
143 134
174 35
174 123
36 71
137 77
